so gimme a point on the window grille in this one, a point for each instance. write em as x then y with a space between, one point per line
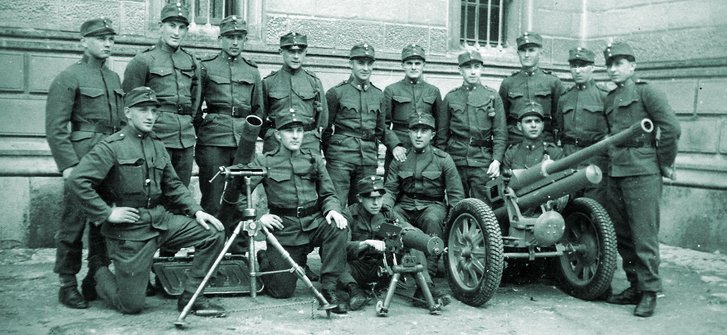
482 22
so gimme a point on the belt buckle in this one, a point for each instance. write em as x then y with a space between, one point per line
576 141
233 111
472 139
297 211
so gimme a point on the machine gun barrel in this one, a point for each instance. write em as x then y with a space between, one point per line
527 177
396 236
245 152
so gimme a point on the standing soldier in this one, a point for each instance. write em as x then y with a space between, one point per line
356 125
530 84
408 96
635 171
294 89
472 128
232 88
581 118
87 95
173 74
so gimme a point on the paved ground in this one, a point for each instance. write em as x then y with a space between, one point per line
694 302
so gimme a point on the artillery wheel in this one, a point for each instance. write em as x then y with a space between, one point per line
586 268
474 257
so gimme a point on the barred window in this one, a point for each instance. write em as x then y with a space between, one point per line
212 11
482 22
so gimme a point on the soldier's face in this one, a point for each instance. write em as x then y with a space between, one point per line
471 72
420 136
531 126
142 117
293 58
371 204
232 43
173 32
529 55
98 46
620 69
291 138
361 68
581 72
413 68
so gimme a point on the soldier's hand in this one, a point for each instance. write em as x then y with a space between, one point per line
399 153
494 170
379 246
669 172
123 215
67 173
339 219
203 219
271 221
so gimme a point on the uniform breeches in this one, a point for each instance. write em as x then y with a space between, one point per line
182 160
473 181
344 174
125 289
634 208
209 159
430 220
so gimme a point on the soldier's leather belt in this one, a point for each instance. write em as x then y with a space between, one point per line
233 111
357 134
487 143
577 141
298 212
419 196
140 203
94 128
637 144
306 127
178 109
400 126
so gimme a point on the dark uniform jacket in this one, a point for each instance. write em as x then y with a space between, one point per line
472 126
522 87
232 89
582 120
356 124
422 180
130 169
301 91
404 98
525 155
363 226
295 180
173 74
629 103
89 95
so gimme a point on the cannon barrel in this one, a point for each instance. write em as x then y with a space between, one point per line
524 178
416 239
555 186
245 152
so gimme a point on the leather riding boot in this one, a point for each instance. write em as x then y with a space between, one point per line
70 297
357 297
629 296
646 305
332 298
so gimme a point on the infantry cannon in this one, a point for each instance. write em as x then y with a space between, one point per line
520 220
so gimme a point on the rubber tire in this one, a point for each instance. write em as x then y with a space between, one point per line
479 287
587 274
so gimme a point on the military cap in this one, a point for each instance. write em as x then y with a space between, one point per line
412 51
529 38
581 54
231 24
618 49
421 119
469 56
362 50
288 120
97 27
372 186
175 12
531 109
294 41
141 96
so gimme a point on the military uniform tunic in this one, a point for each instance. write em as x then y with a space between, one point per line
89 96
635 185
522 87
472 129
351 139
232 90
132 169
301 91
404 98
527 154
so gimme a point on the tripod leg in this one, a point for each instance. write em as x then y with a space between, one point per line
383 310
179 323
433 307
251 265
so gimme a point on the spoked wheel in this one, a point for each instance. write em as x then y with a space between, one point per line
586 268
474 252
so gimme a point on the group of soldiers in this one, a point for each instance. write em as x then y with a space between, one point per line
130 184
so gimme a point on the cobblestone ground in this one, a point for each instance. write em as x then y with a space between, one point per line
694 301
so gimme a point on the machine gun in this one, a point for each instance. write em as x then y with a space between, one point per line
398 240
518 221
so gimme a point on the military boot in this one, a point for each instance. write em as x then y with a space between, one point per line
332 298
418 300
88 285
71 298
646 305
629 296
357 297
201 306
